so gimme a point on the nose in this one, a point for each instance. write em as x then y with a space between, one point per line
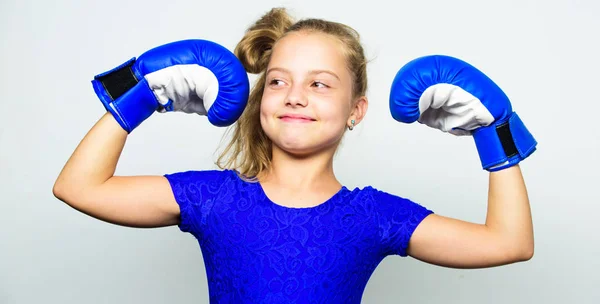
296 97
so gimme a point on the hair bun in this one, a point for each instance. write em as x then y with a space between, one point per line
254 49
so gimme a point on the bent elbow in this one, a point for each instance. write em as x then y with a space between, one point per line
526 254
521 253
57 191
518 248
63 191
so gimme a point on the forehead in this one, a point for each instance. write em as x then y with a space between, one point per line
302 51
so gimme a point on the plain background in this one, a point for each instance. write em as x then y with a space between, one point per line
544 54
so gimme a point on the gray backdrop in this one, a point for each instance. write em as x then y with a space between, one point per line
544 54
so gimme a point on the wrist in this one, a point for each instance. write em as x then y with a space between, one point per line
125 93
504 144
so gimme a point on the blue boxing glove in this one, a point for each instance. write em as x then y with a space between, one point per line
190 76
451 95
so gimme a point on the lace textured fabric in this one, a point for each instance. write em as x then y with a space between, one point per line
256 251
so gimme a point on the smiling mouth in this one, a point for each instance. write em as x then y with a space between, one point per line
296 118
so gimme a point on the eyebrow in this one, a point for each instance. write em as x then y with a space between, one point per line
312 72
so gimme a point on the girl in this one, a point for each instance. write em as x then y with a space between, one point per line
274 223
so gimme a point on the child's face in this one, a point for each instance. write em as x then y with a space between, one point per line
307 98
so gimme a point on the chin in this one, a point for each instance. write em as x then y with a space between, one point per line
295 148
304 149
301 141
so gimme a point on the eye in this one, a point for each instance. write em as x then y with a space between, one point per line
276 82
320 84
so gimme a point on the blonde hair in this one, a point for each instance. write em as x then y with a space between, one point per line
249 150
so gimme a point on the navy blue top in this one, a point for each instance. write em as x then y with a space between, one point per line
256 251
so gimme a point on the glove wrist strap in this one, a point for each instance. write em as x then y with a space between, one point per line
504 144
126 95
114 83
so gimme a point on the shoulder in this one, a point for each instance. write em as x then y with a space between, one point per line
380 196
200 176
397 217
193 182
193 189
386 204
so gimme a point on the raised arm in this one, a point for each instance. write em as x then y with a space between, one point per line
505 238
190 76
451 95
87 183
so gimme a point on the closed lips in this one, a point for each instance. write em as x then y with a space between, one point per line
296 117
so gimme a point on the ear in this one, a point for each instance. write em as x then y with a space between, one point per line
359 110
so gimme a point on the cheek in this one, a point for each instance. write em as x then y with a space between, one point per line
263 114
266 107
270 103
333 112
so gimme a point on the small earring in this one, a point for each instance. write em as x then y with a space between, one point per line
352 126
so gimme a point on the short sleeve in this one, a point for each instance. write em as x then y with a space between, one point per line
193 192
398 219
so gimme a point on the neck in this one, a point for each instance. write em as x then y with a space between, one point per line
299 173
